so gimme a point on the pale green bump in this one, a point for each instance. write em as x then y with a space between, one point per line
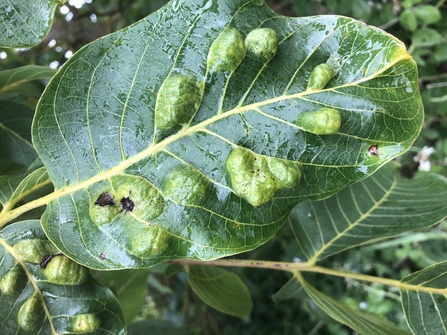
107 212
185 185
153 241
288 173
32 251
28 316
227 51
85 323
148 202
320 76
262 42
62 270
251 177
10 283
324 121
178 100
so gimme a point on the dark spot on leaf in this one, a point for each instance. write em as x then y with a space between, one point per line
105 199
374 150
47 259
127 204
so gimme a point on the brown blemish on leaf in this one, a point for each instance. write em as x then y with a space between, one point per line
105 199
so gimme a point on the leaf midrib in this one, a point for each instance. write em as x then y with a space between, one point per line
119 168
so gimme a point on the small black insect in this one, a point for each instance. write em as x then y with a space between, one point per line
127 204
105 199
47 259
102 257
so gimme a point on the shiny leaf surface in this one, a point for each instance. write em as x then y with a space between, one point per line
40 298
221 289
383 205
426 312
25 23
169 140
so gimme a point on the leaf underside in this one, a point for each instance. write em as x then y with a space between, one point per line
95 130
361 322
426 313
381 206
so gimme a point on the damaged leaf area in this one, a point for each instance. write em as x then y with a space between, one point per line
195 131
45 292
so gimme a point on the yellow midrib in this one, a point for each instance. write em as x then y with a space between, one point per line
161 145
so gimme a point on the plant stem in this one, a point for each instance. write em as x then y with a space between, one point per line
306 267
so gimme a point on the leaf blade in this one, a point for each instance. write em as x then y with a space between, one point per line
380 206
123 77
66 305
221 289
426 312
363 323
25 24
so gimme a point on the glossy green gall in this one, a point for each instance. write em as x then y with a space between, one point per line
62 270
227 51
85 323
262 42
186 185
151 242
178 100
257 178
32 251
320 77
130 194
324 121
29 313
10 283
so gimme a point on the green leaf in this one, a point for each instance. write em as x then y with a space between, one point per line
130 288
383 205
428 14
159 327
16 81
8 167
363 323
15 133
25 23
172 269
426 37
8 185
186 188
293 289
426 312
221 289
409 20
14 189
58 296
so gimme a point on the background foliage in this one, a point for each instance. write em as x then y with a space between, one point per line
421 26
